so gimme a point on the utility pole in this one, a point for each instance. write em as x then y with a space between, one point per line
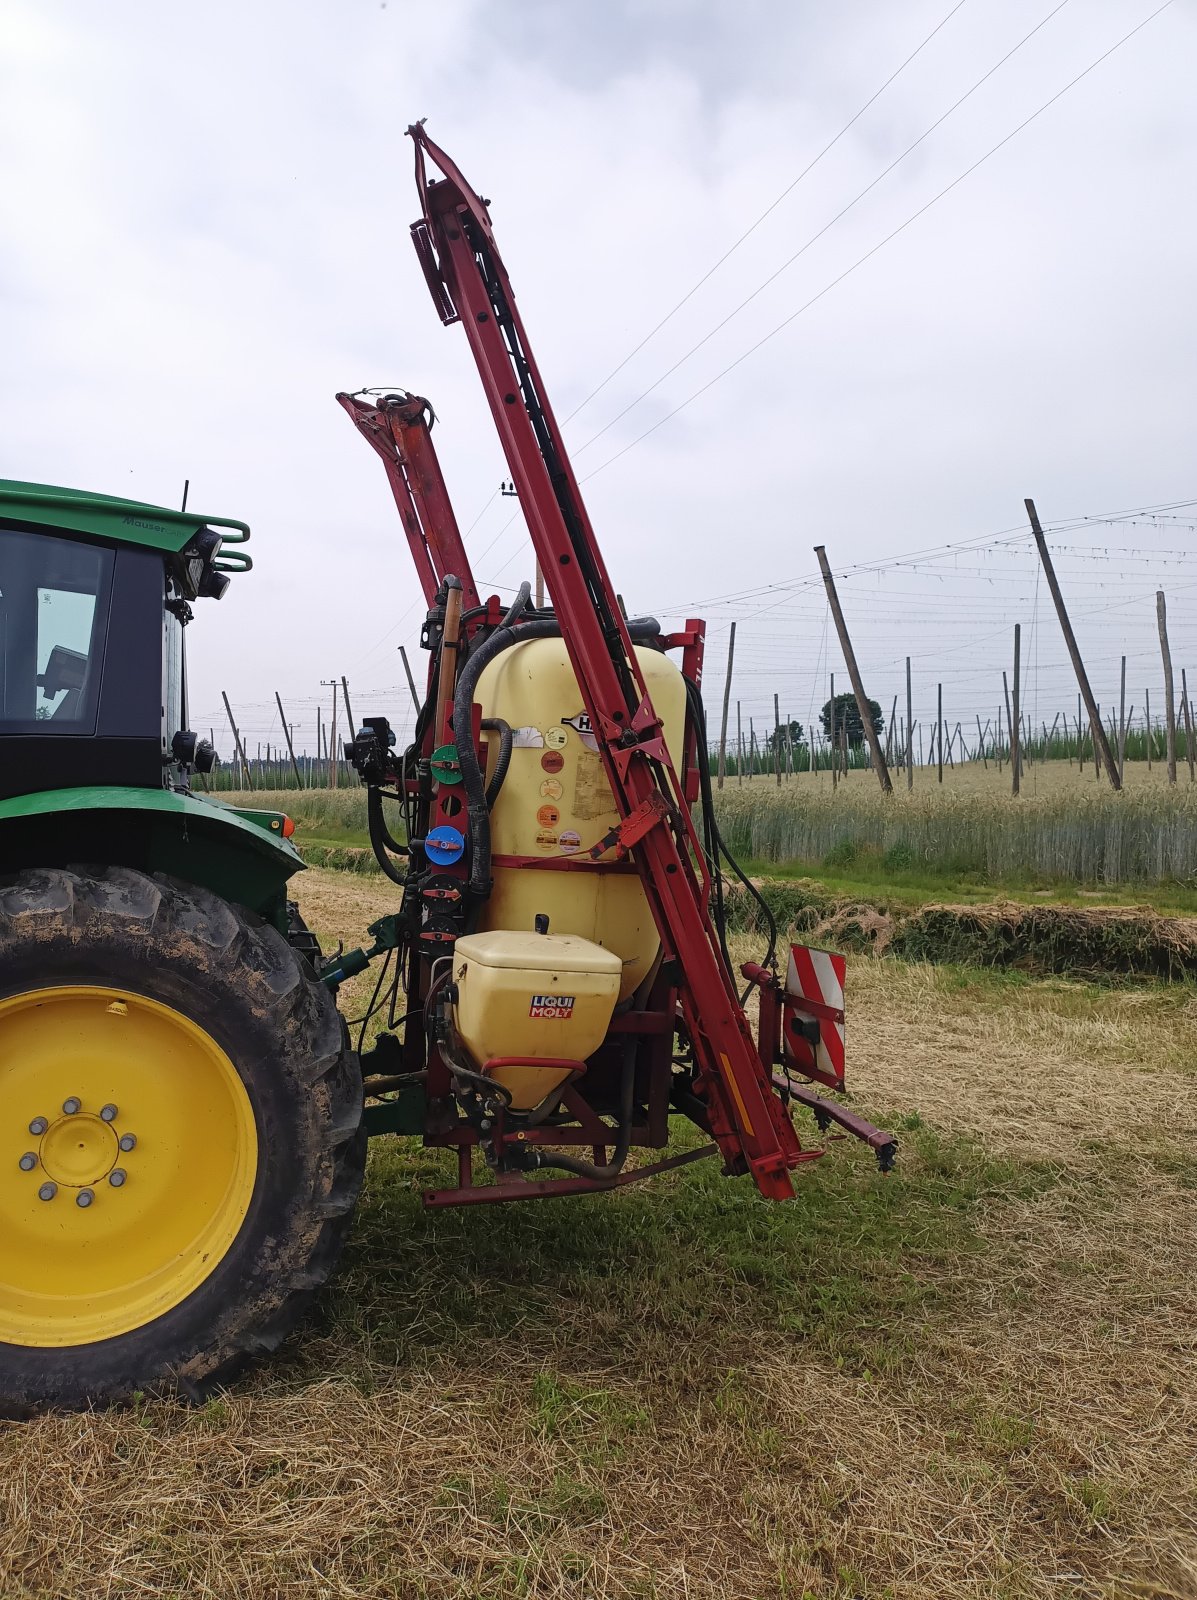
909 732
287 736
331 683
1101 744
862 704
1015 735
939 726
731 650
1161 613
411 682
244 759
349 722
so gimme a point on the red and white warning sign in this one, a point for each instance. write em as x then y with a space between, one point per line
558 1006
813 1015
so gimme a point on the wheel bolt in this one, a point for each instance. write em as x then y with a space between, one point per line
84 1198
28 1161
128 1141
38 1125
117 1177
47 1191
108 1113
71 1107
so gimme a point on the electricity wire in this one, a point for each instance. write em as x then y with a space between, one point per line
769 209
827 226
901 228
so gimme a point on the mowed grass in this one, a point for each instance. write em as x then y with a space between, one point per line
974 1378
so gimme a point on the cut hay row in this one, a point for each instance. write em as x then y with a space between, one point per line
1082 942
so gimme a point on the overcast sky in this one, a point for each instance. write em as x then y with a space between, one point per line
205 236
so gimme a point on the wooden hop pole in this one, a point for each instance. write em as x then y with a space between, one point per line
731 651
862 703
1101 745
1161 612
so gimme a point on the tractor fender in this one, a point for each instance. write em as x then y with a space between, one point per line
241 855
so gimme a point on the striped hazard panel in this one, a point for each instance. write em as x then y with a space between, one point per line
812 1027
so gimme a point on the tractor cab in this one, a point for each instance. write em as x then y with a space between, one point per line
95 592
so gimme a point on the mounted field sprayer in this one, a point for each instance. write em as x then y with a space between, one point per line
182 1119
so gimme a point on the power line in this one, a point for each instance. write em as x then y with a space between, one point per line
815 237
968 171
771 207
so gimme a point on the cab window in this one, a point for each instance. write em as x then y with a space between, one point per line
54 597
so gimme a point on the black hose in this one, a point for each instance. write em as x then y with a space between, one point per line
380 837
477 812
506 739
623 1141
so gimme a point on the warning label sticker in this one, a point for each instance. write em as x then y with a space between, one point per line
557 737
552 761
570 841
551 789
548 816
558 1006
547 841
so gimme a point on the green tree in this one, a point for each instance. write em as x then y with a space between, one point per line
847 716
797 737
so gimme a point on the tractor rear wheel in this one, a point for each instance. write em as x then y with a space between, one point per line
180 1137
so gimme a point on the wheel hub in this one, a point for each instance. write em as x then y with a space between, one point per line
78 1151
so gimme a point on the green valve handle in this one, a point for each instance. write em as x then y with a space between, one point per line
445 764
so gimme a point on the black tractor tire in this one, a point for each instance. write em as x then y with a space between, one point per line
258 999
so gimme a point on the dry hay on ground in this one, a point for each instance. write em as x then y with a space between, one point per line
1084 941
1019 1425
1078 940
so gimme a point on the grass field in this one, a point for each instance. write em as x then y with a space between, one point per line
1065 834
975 1378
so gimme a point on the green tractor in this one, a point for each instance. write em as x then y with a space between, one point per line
181 1141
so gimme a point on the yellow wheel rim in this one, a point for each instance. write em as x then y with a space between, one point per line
128 1158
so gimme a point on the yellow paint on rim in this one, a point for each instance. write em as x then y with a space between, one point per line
74 1273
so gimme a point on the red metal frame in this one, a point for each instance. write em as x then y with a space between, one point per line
399 428
469 284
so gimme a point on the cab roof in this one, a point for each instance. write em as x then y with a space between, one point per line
109 516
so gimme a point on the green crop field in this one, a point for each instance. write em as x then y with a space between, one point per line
1065 833
974 1379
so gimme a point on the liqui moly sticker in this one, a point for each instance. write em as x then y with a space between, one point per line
560 1007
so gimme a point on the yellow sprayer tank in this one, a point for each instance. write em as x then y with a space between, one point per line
556 801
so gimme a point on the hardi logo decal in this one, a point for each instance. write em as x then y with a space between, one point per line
559 1006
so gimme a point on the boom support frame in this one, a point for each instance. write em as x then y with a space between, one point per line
469 283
